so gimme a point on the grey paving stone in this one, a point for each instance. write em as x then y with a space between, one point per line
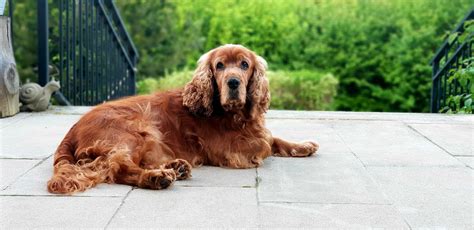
220 177
392 144
368 116
68 110
341 216
6 121
12 169
34 183
303 130
36 136
462 118
184 207
336 179
56 212
456 139
430 197
468 161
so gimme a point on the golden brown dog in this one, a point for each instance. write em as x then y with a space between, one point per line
151 141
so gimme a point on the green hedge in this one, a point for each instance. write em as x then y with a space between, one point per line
379 50
298 90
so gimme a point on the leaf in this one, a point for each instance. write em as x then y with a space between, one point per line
452 37
468 102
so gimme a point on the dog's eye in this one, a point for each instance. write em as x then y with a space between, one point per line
220 66
244 65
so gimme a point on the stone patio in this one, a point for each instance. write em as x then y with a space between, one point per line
373 170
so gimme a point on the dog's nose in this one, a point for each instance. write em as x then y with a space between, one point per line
233 83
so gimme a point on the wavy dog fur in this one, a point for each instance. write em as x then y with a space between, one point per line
151 141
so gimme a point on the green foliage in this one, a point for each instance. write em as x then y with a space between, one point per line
460 104
379 50
464 76
169 81
24 38
299 90
302 90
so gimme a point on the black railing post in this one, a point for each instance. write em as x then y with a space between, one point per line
447 58
43 51
94 49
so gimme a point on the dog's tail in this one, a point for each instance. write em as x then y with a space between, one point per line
72 176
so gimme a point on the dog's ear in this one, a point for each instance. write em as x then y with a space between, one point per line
198 93
259 89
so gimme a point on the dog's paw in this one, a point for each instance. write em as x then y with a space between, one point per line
181 167
157 178
304 149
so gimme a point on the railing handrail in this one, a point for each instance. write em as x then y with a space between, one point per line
460 28
126 54
456 53
448 55
118 20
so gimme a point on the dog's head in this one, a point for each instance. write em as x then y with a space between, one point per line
233 75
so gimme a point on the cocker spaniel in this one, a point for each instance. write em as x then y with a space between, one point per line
151 141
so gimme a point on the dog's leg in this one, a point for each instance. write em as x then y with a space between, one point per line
181 167
282 148
125 171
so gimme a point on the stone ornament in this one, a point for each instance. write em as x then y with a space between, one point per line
36 98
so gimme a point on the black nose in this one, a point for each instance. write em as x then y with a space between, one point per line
233 83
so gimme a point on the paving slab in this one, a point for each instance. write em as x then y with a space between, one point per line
430 197
206 176
468 161
56 212
12 169
184 207
371 116
341 216
68 110
339 180
373 170
391 143
34 183
35 136
298 130
458 140
6 121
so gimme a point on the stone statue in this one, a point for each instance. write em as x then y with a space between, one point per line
36 98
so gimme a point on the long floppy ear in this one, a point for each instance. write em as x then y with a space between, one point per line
198 93
259 89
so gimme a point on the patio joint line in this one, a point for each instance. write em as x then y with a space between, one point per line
24 158
439 146
56 195
331 203
119 207
14 122
27 171
348 147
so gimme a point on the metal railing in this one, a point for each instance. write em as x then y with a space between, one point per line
450 56
92 53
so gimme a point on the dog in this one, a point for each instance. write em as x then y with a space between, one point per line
151 141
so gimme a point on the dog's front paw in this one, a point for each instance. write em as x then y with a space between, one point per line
305 149
157 178
181 167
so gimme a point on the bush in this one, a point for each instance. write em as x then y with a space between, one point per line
302 90
298 90
169 81
380 50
